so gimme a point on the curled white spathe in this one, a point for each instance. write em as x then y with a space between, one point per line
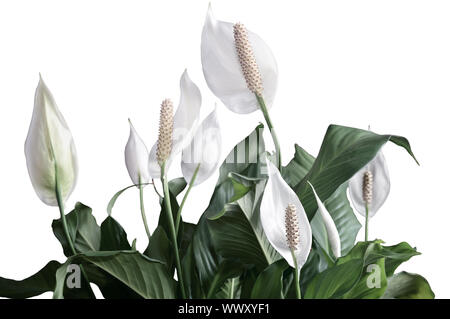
204 150
277 196
50 150
330 226
380 187
185 121
136 158
222 69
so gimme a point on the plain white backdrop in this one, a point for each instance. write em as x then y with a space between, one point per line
355 63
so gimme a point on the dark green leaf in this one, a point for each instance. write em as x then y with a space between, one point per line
269 284
44 280
231 289
145 276
242 160
335 281
83 229
405 285
344 152
113 236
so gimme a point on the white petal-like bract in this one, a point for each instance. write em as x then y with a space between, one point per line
222 69
381 186
136 158
330 226
185 121
277 196
204 150
49 149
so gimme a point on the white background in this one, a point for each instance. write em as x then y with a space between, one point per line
355 63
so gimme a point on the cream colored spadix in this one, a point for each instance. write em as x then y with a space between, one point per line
237 64
184 124
379 188
277 198
136 158
49 149
330 226
204 150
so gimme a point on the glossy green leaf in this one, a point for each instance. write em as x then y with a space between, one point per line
337 204
344 152
231 289
372 283
269 284
83 229
239 238
335 281
405 285
242 160
160 248
145 276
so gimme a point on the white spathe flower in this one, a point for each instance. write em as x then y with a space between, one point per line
222 69
49 149
136 158
184 123
330 226
204 150
276 199
377 190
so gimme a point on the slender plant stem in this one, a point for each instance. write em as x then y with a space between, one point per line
296 276
366 232
173 233
141 201
154 187
66 231
265 112
191 184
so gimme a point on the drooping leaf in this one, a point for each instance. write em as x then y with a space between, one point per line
337 204
42 281
344 152
145 276
405 285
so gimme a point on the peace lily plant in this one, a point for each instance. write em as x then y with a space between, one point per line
270 230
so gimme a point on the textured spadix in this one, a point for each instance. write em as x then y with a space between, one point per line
49 149
278 196
224 71
204 150
136 157
377 192
184 123
330 226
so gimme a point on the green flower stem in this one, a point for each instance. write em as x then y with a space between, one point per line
173 233
141 201
366 232
66 230
191 184
265 112
296 276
